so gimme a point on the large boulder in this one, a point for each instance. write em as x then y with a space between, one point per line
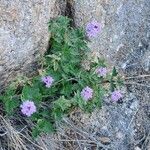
125 36
124 42
24 33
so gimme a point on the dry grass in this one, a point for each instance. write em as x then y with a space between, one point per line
71 136
11 139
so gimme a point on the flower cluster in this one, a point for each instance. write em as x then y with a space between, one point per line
87 93
93 28
28 108
101 71
48 80
116 95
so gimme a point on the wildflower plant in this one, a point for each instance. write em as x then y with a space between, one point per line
62 83
93 28
116 95
101 71
28 108
47 80
87 93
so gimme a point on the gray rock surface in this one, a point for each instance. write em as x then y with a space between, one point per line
24 33
124 42
117 126
116 122
125 35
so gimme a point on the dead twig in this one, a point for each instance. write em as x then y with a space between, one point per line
134 83
146 140
31 141
139 76
85 133
13 137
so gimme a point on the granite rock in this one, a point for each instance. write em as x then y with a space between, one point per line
24 33
125 37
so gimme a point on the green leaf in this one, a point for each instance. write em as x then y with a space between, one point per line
60 107
35 132
77 100
11 105
112 86
66 89
114 72
45 126
57 113
120 81
42 125
11 89
1 98
62 103
31 93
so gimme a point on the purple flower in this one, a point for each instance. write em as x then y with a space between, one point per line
87 93
48 80
93 28
28 108
116 95
101 71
